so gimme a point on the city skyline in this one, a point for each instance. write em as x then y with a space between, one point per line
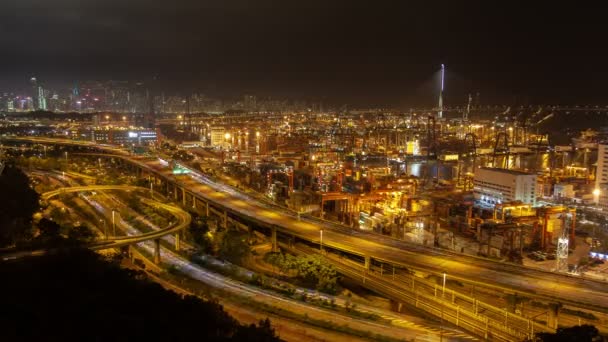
303 170
356 53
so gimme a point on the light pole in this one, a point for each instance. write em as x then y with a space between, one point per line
443 290
113 223
105 228
442 306
596 196
151 187
321 243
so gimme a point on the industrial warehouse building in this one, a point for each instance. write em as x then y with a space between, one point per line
493 186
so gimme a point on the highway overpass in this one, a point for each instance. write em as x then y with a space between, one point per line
197 191
183 222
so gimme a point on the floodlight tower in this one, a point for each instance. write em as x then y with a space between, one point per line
440 106
563 243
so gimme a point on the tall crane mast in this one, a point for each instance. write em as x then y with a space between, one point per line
440 105
465 115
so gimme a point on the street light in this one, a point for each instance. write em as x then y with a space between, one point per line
596 196
113 223
442 307
443 290
105 228
151 187
321 243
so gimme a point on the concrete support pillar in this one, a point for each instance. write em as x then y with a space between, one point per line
250 235
207 209
184 197
157 251
177 241
130 252
175 189
225 219
275 247
368 262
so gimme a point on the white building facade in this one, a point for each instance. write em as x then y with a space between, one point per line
493 186
601 176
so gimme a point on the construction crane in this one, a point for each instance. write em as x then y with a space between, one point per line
431 150
501 149
469 149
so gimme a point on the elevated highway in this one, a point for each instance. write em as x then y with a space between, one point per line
197 191
183 222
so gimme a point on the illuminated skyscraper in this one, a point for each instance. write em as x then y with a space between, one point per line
41 99
35 93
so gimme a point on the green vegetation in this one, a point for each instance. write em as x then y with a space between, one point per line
159 217
18 202
52 235
193 286
198 232
78 296
40 163
230 244
311 270
233 246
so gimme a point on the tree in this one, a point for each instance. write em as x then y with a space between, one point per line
81 234
315 271
233 246
41 293
199 233
18 202
263 332
312 270
49 235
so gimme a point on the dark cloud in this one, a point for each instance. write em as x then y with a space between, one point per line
365 51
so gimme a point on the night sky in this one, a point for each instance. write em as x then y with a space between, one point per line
357 52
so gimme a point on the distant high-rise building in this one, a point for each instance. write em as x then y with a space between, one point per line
149 115
35 92
41 99
95 120
601 176
250 102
